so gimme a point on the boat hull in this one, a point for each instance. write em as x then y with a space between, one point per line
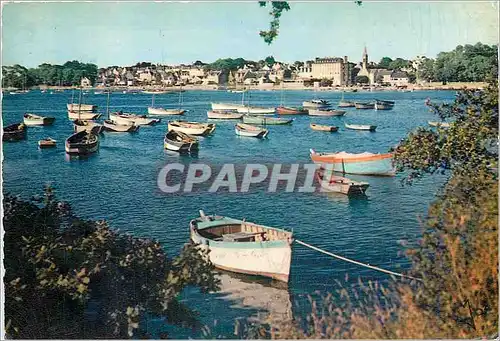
322 112
266 258
364 106
119 128
361 127
165 112
346 104
82 107
79 148
226 106
39 121
265 120
319 127
223 115
312 105
383 106
88 126
14 132
247 132
201 130
74 115
131 119
290 111
378 164
256 111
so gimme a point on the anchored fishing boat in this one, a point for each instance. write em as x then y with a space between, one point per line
180 142
82 143
244 247
152 110
256 110
81 107
14 132
326 112
320 127
226 106
316 104
266 120
36 120
112 126
364 105
339 184
439 124
290 111
384 105
129 119
247 130
223 115
47 143
89 126
75 115
360 127
192 128
346 104
362 163
385 102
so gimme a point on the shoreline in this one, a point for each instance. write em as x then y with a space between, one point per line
286 87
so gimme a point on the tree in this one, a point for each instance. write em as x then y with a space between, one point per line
362 80
385 62
269 61
398 64
72 278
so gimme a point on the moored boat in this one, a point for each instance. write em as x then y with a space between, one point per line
36 120
129 119
82 115
320 127
326 112
247 130
14 132
82 143
112 126
338 184
89 126
180 142
165 112
364 105
244 247
361 163
192 128
316 104
223 115
266 120
290 111
226 106
383 106
47 143
385 102
361 127
81 107
256 110
346 104
439 124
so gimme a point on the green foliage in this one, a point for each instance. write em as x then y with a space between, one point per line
362 79
227 64
399 63
384 62
72 278
70 73
270 61
277 8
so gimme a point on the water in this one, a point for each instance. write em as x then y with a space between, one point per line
119 184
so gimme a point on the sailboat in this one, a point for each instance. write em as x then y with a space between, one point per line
79 106
80 124
152 110
283 110
252 110
224 106
110 125
345 104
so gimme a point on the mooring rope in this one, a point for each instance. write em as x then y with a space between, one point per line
356 262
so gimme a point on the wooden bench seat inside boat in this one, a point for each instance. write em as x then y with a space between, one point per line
246 232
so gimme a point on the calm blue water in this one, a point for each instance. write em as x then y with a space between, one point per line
119 183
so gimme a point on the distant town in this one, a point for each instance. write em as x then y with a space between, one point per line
469 63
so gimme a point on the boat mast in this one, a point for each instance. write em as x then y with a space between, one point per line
80 102
180 97
107 106
282 100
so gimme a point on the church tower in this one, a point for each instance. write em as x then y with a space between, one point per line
365 59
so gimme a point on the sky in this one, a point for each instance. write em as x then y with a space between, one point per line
114 33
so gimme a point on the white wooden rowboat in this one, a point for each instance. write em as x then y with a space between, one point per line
326 112
226 106
338 184
165 112
320 127
180 142
112 126
361 127
89 126
256 110
81 107
36 120
192 128
248 130
221 115
316 104
82 115
132 119
244 247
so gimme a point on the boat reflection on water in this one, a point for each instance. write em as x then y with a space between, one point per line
269 299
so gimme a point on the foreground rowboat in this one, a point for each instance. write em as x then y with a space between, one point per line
439 124
82 143
36 120
180 142
361 163
320 127
192 128
244 247
339 184
14 132
265 120
361 127
247 130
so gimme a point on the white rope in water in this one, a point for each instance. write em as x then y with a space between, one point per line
356 262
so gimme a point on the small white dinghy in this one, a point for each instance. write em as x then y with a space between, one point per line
47 143
248 130
365 127
112 126
82 115
192 128
256 110
326 112
165 112
36 120
223 115
133 119
180 142
439 124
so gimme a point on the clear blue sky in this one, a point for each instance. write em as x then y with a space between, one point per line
125 33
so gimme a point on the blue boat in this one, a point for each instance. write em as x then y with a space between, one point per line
362 163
